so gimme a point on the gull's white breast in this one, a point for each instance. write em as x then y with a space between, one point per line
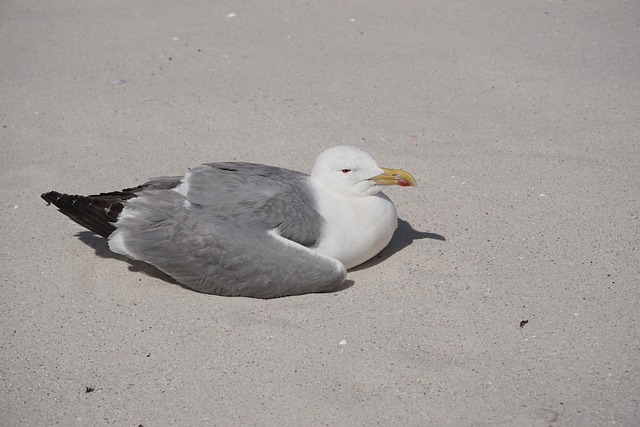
357 227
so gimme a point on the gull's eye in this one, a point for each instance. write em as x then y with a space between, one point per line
345 170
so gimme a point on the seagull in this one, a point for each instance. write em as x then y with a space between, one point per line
251 230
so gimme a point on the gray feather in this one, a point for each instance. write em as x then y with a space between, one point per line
219 242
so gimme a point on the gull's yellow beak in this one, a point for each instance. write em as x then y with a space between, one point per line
395 177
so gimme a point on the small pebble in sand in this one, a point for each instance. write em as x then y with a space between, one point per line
231 15
342 343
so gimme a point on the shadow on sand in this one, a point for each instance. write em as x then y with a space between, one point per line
404 236
101 247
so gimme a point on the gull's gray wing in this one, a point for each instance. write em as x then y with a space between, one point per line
259 195
234 228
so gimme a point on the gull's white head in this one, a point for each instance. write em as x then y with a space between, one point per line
347 170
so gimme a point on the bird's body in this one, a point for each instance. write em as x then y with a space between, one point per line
243 229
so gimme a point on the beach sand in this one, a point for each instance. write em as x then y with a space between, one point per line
509 295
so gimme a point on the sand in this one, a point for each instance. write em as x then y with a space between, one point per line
509 295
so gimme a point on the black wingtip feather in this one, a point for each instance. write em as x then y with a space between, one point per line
97 213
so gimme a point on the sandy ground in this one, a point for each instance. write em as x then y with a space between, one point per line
509 295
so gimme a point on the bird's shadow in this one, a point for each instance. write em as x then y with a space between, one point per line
403 237
101 248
